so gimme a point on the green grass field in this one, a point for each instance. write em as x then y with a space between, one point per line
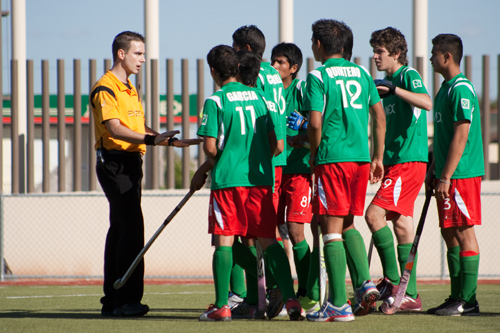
175 308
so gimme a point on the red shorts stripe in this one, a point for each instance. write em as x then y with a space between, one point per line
463 206
340 188
400 188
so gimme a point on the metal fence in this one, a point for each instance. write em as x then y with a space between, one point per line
63 235
64 132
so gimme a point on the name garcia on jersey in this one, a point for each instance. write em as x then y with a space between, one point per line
233 96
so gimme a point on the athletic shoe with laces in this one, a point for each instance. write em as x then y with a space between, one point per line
215 314
233 300
365 296
275 302
246 311
447 302
131 310
329 312
460 308
294 309
386 288
283 312
309 305
407 304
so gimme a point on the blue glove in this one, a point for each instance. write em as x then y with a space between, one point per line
387 84
295 122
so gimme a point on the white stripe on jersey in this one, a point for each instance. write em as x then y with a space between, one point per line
397 191
262 78
218 215
461 204
317 74
221 137
460 83
321 193
216 99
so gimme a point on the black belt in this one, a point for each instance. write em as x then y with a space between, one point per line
121 152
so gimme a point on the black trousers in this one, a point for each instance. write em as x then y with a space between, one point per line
120 177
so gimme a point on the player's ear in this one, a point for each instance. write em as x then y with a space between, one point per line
121 54
294 68
247 48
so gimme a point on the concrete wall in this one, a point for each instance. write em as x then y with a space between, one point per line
63 235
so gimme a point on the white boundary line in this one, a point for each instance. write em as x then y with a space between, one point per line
94 295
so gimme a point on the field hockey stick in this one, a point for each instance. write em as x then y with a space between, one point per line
403 284
370 251
120 282
261 279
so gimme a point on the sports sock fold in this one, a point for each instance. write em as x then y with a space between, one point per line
383 241
222 263
301 257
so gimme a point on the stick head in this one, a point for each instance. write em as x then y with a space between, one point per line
118 284
389 306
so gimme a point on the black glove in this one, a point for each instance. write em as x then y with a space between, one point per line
387 84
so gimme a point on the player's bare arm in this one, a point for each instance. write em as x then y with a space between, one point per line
280 147
200 176
421 101
120 132
297 141
455 152
314 134
377 166
273 143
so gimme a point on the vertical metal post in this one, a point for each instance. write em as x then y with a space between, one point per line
200 99
2 265
310 65
14 126
91 138
155 123
170 124
61 127
186 158
373 68
468 67
444 259
485 107
77 126
419 65
45 127
357 61
498 115
30 122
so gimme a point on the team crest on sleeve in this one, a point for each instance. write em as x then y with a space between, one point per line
465 103
205 118
417 83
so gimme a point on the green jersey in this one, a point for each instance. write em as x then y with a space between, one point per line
406 135
238 117
269 81
343 92
455 101
297 160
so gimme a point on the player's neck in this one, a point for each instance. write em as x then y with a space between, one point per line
287 82
120 73
223 83
393 69
450 72
331 56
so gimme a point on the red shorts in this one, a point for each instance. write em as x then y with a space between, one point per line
295 199
463 207
341 188
400 188
242 211
278 174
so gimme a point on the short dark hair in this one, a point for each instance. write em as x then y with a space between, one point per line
291 52
393 40
348 43
122 42
449 43
224 60
252 36
331 34
248 67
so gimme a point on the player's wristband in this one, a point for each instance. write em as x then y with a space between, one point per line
303 126
171 141
444 182
149 140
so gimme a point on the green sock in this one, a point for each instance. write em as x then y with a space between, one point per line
221 265
252 284
403 253
352 268
453 256
237 282
469 271
336 268
313 275
246 258
356 247
280 268
384 243
301 257
271 282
